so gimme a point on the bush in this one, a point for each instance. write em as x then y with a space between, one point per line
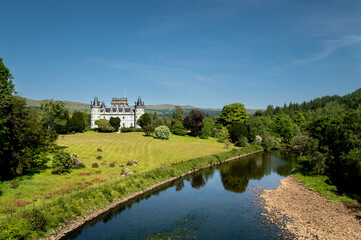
148 130
162 132
129 163
178 129
104 125
62 163
111 165
95 165
14 184
130 129
37 219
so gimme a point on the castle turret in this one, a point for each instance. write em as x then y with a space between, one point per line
138 111
95 112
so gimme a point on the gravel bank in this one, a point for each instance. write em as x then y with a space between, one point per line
310 215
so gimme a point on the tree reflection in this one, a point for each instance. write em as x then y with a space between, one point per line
236 175
198 181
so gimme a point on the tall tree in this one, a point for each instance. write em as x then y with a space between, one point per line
177 115
78 122
233 113
53 114
194 122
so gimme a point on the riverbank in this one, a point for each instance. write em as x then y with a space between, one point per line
74 224
310 215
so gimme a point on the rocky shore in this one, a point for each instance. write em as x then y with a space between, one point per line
309 215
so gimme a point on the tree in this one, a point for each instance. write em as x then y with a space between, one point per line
177 115
156 120
53 114
115 122
208 126
178 129
78 122
148 129
22 139
238 132
194 122
104 125
235 112
162 132
285 128
144 120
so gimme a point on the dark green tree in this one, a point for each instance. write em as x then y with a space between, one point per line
233 113
144 120
178 129
78 122
115 122
177 115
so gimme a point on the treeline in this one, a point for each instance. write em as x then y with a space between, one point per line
328 138
27 135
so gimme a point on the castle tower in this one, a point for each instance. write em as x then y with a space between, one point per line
95 112
138 111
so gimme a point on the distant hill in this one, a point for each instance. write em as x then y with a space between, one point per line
161 109
73 106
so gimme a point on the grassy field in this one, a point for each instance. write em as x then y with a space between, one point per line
117 148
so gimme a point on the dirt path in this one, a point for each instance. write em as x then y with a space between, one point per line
311 216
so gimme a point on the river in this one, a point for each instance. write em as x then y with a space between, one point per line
216 203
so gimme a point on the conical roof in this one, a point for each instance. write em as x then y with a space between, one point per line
139 102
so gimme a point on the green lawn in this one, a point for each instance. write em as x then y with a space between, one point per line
118 148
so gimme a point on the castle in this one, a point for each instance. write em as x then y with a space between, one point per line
119 108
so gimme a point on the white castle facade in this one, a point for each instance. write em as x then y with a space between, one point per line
119 108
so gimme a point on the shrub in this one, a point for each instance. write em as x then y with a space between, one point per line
130 129
148 130
62 163
95 165
37 219
99 150
99 157
129 163
162 132
139 130
104 125
14 184
178 129
111 165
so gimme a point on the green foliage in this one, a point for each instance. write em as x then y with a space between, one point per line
156 120
177 115
233 113
78 123
62 163
54 116
14 184
178 128
95 165
130 129
221 133
238 132
115 122
148 129
37 219
162 132
208 126
104 125
144 120
285 128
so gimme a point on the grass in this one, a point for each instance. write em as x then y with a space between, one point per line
318 184
119 148
34 224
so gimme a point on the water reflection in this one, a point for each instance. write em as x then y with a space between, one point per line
197 206
235 175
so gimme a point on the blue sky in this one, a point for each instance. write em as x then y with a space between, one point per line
205 53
